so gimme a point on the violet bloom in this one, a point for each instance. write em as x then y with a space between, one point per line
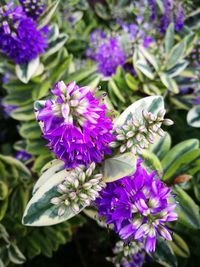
33 8
96 38
109 56
23 156
138 206
128 255
76 125
173 12
19 38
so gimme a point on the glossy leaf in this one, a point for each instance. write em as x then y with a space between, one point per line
26 71
119 167
164 254
193 117
188 211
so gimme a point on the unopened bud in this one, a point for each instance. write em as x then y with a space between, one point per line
72 195
122 148
120 137
130 134
161 114
75 207
61 210
168 122
55 201
129 144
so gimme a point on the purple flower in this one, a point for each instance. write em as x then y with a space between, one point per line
109 56
133 260
76 125
152 7
138 206
33 8
96 38
20 39
128 255
173 12
22 155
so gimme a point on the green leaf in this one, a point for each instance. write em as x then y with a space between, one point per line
26 71
188 211
169 82
51 168
40 211
131 82
176 153
56 45
184 164
164 254
151 104
112 86
193 117
177 69
3 208
161 145
15 255
30 130
145 69
169 38
24 113
45 18
150 57
3 190
176 54
119 167
152 161
40 161
179 246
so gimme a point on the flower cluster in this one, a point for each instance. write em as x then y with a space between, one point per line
33 8
109 56
128 255
136 135
139 206
20 39
173 12
76 125
81 186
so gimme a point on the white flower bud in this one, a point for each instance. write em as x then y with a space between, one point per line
87 185
61 210
129 143
122 148
67 202
72 195
168 122
113 144
161 114
56 201
120 137
130 134
83 196
98 176
62 188
126 127
75 207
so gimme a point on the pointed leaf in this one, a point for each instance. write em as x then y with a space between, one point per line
188 211
40 211
119 167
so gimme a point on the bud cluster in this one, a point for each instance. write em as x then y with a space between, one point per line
136 135
79 189
128 255
33 8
